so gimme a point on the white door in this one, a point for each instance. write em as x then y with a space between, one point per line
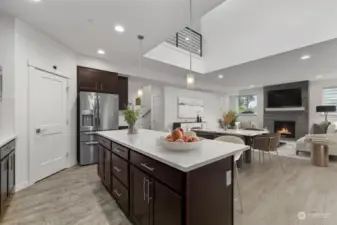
47 123
157 113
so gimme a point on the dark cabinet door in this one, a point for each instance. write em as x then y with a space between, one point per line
88 79
100 163
123 92
108 82
11 173
167 206
107 169
140 203
4 184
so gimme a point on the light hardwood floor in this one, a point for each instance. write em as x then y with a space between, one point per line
270 196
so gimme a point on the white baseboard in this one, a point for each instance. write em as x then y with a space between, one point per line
21 186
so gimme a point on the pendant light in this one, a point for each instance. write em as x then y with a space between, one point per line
190 80
140 38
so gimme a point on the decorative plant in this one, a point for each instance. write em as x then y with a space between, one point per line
230 118
131 115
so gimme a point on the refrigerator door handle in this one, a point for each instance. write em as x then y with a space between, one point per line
98 111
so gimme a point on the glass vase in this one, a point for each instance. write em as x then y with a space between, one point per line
132 129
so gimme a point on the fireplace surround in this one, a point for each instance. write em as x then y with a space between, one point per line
300 117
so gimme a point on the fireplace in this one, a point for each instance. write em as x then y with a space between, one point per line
285 128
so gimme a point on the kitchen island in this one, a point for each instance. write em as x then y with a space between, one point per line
155 186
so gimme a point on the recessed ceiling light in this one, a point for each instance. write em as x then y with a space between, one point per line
319 77
119 28
187 39
304 57
101 51
36 0
220 76
251 86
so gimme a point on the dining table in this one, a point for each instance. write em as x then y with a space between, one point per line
246 134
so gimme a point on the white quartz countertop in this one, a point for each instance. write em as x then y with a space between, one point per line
6 139
147 142
241 132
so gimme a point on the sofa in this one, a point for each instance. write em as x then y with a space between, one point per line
249 125
331 131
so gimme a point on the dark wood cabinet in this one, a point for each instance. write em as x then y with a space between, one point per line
140 202
153 193
104 166
87 79
11 173
108 82
107 169
7 175
100 163
4 184
123 84
167 206
96 80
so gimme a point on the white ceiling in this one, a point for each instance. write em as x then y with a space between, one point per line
86 25
239 31
281 68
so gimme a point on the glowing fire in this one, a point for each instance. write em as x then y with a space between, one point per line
284 131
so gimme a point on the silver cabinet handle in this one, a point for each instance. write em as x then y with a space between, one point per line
147 167
117 169
144 191
148 191
91 143
117 193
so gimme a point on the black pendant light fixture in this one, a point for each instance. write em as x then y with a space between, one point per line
140 38
190 80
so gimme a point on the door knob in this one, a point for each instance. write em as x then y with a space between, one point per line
39 130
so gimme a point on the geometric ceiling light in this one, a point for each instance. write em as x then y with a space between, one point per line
190 79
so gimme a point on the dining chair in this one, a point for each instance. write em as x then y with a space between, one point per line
273 146
261 143
237 156
190 134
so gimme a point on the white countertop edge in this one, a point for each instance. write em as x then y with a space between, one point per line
7 139
248 133
183 169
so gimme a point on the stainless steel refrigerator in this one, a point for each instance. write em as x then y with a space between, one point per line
97 112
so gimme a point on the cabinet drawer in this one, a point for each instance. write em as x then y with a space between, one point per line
6 149
120 150
168 175
120 169
121 194
105 142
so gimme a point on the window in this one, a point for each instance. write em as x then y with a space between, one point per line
330 96
247 104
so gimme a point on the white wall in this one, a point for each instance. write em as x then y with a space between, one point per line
316 98
258 117
39 50
7 63
213 106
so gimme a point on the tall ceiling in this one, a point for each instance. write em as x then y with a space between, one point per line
240 31
256 42
87 25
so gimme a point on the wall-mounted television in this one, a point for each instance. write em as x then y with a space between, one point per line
284 98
